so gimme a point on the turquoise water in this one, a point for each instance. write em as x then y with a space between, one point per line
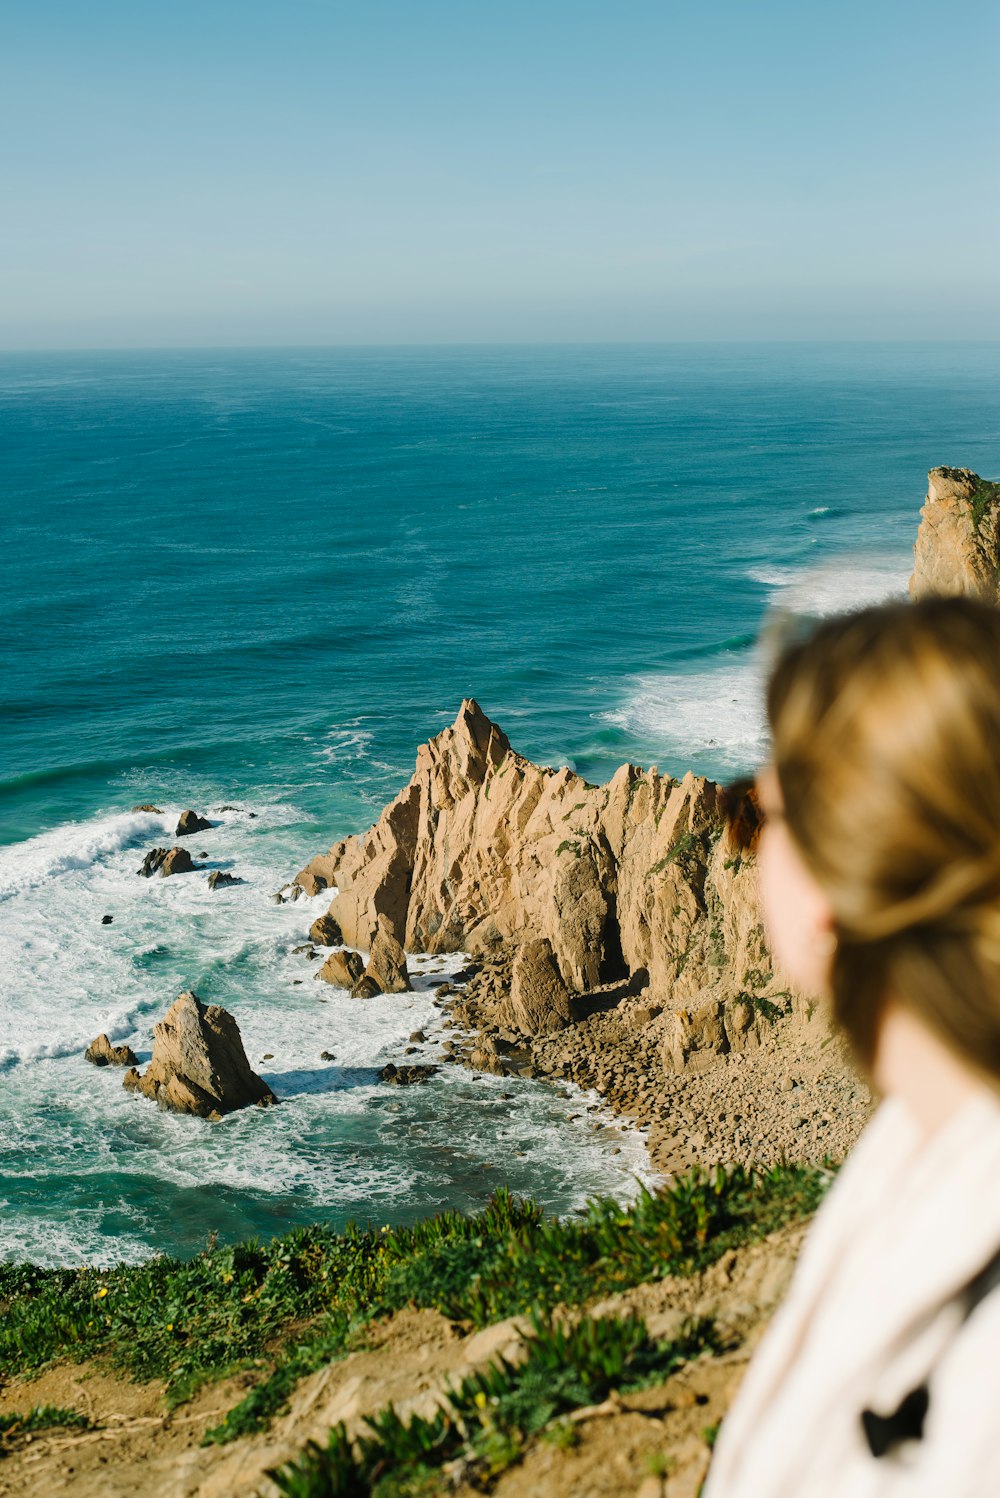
261 579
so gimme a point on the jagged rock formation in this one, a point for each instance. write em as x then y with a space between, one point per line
628 880
386 967
219 879
539 999
590 885
167 861
342 968
406 1076
199 1064
958 544
102 1053
191 822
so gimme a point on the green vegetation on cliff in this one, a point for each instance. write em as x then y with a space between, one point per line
983 493
290 1306
492 1416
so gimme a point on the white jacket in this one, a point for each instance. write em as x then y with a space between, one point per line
871 1313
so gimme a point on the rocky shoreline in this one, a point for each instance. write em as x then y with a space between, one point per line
795 1097
628 958
615 934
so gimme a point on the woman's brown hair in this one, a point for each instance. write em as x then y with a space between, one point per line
886 742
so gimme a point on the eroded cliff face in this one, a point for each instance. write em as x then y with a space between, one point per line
958 543
633 879
630 883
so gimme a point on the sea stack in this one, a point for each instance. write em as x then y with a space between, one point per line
484 852
958 544
199 1064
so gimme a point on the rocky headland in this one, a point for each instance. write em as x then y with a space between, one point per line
616 933
958 543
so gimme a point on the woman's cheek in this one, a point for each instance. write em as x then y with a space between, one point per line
788 909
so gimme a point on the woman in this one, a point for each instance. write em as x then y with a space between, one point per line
879 867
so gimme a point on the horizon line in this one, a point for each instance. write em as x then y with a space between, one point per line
490 343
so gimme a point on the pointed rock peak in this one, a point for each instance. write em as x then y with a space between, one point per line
199 1064
479 731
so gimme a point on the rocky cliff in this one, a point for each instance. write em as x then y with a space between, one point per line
958 544
631 883
630 880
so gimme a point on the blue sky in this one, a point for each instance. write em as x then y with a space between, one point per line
421 171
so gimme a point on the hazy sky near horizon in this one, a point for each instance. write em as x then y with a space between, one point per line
238 172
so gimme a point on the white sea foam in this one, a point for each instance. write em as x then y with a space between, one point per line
684 715
834 586
339 1143
716 716
346 743
78 845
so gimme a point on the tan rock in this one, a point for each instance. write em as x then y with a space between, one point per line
166 861
365 988
318 876
178 861
958 543
342 968
484 850
326 932
191 822
199 1064
387 962
102 1053
504 1339
483 1058
539 999
320 872
695 1036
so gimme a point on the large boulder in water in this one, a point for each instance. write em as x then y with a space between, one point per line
190 822
167 861
199 1064
342 968
102 1053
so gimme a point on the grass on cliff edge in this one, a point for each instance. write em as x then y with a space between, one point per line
289 1306
492 1417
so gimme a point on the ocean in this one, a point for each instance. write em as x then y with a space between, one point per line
258 580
